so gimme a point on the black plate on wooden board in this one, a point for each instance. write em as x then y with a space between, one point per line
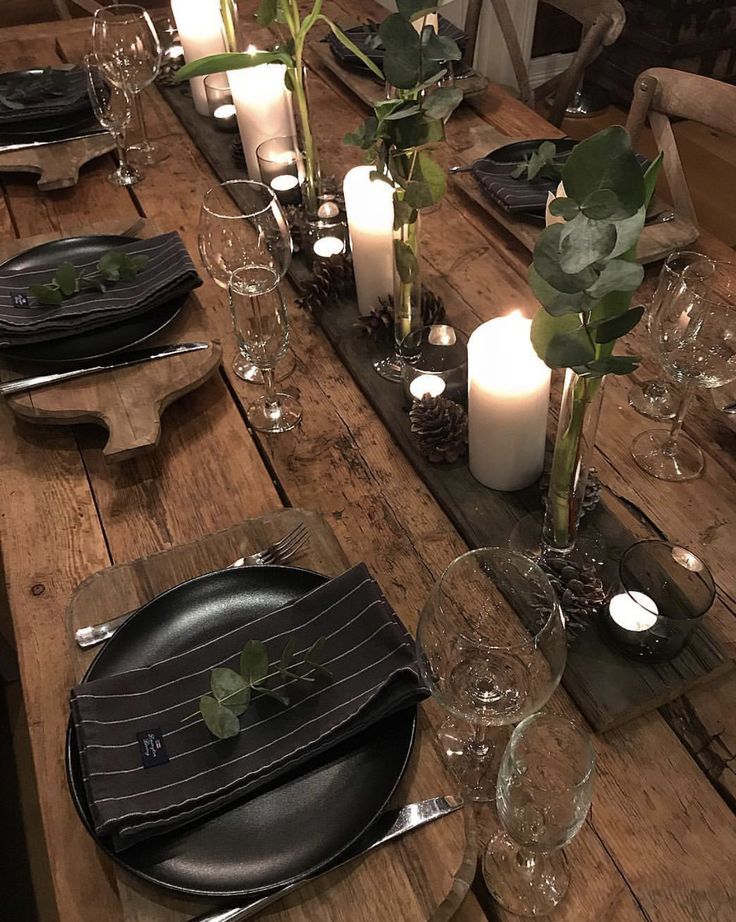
94 344
297 825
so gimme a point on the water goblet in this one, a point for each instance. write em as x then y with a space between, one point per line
694 333
113 108
262 328
127 46
491 646
543 794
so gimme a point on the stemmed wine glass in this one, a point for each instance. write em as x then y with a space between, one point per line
658 399
127 47
694 332
491 646
543 794
262 328
113 108
241 223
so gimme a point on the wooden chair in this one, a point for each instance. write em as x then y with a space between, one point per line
602 22
63 9
660 94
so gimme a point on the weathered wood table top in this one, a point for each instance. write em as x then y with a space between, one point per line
660 842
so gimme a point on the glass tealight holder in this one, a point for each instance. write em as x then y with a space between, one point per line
220 102
281 168
437 363
664 591
327 234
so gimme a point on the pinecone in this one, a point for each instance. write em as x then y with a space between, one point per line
433 308
238 154
167 73
295 220
592 496
440 428
332 280
578 587
379 323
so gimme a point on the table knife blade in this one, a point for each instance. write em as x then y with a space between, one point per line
123 360
390 825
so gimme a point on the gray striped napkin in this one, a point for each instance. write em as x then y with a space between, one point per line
169 274
147 772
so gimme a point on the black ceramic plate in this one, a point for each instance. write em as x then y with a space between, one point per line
280 834
85 347
55 128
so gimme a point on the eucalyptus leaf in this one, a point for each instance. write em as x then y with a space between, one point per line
230 688
547 257
441 103
406 262
46 294
628 232
557 302
402 60
601 205
66 278
584 242
561 342
254 662
607 331
313 653
562 207
605 161
416 131
616 275
220 721
403 213
438 48
615 364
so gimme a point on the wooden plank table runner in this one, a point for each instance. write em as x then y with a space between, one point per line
57 165
424 875
128 402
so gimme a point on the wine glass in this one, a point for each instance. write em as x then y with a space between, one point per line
491 646
543 794
694 332
658 399
113 108
262 328
128 47
241 223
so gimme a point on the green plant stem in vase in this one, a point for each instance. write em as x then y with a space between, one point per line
229 12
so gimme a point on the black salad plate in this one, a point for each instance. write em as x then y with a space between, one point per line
93 344
287 831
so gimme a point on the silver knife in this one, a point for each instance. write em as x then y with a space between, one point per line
390 825
123 360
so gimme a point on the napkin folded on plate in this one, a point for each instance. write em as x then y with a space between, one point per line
170 273
127 722
42 93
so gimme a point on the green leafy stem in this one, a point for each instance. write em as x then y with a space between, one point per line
68 281
544 162
231 691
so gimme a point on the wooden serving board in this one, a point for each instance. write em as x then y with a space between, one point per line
655 243
58 164
128 402
425 875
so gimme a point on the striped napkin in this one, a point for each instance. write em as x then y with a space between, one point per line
146 772
496 181
169 274
42 93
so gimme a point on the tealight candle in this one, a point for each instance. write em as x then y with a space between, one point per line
284 183
369 204
199 24
426 386
328 246
508 401
633 611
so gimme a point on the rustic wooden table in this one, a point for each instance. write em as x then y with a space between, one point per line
660 842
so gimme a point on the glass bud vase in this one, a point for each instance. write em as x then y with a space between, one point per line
312 178
580 410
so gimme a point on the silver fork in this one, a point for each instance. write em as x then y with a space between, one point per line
277 553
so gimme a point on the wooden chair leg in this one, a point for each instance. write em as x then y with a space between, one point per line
472 23
644 91
590 48
508 30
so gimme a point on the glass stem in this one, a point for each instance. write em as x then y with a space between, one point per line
123 167
526 861
271 399
677 422
145 143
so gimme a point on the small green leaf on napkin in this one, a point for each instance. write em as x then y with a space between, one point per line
67 281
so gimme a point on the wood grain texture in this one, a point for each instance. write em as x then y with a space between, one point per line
57 165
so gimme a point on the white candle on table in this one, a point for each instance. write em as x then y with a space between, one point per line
508 401
199 24
370 209
264 108
426 385
328 246
633 611
430 19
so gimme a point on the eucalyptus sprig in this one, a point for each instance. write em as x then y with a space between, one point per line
68 281
231 692
543 162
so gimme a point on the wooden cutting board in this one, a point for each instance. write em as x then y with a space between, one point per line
128 402
57 164
423 876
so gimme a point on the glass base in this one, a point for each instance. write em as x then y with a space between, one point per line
656 454
148 153
247 371
124 177
655 400
282 414
526 538
390 367
530 885
475 766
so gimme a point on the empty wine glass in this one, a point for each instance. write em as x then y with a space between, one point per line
491 646
241 223
658 399
694 332
127 45
113 108
262 328
543 794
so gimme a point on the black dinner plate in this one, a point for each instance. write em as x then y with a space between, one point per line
519 150
301 822
93 344
50 128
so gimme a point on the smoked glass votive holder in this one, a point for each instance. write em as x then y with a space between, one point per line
437 363
220 102
664 591
280 164
327 233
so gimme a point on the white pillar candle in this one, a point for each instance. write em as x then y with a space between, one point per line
508 401
430 19
199 24
426 385
370 209
264 108
633 611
